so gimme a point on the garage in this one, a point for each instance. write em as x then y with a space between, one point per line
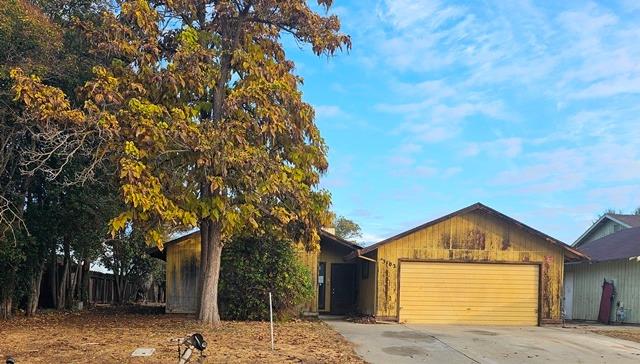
469 293
474 266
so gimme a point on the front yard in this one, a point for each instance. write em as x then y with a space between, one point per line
106 335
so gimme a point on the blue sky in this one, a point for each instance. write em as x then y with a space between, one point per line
530 108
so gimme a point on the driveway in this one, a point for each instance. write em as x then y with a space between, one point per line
409 343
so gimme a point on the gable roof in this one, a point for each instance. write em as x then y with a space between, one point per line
162 254
619 245
346 243
569 252
628 221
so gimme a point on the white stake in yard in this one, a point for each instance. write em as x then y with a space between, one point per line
271 319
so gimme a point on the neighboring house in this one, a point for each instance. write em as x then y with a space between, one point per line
336 281
474 266
608 224
614 257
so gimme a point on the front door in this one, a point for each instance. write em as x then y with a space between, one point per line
343 288
568 295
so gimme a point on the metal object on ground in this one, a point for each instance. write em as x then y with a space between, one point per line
191 343
143 352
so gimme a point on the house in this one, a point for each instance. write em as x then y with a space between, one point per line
607 224
614 258
473 266
336 281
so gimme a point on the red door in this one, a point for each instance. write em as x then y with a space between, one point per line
606 302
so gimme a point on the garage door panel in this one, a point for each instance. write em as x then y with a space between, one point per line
469 293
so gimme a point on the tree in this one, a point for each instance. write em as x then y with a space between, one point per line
126 257
205 120
346 229
42 162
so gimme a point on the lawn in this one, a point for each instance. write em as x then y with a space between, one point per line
106 335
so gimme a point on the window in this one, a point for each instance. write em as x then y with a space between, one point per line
365 269
322 277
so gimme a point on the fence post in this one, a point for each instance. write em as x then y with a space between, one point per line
271 319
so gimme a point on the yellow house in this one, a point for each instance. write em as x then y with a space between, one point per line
474 266
336 280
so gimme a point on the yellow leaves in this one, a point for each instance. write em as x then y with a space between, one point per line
188 38
215 182
282 214
131 149
131 169
155 237
43 102
119 222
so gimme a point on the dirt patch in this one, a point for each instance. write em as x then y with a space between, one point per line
631 334
411 335
110 336
404 350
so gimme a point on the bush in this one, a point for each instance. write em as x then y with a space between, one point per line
254 266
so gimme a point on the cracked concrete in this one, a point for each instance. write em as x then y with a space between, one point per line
409 343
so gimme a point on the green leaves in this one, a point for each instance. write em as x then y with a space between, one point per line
254 265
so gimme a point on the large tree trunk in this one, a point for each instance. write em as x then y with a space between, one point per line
210 273
53 277
64 280
6 304
75 283
34 292
84 286
121 282
204 248
6 299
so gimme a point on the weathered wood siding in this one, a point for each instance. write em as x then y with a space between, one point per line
183 264
471 237
367 286
587 288
310 259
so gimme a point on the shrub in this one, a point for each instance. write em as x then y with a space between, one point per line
254 266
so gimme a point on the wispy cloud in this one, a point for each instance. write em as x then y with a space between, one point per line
329 111
532 103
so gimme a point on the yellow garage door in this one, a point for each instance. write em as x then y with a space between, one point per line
469 293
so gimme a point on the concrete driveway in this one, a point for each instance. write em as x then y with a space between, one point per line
396 343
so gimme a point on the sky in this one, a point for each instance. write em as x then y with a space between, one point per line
532 108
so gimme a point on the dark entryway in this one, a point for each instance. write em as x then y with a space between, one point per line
343 288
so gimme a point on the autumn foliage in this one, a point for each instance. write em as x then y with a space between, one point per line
201 111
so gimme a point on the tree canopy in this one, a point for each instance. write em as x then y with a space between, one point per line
201 112
347 229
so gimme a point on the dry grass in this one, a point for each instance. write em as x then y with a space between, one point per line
109 336
630 333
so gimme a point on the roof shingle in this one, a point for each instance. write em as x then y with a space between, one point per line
631 220
621 245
